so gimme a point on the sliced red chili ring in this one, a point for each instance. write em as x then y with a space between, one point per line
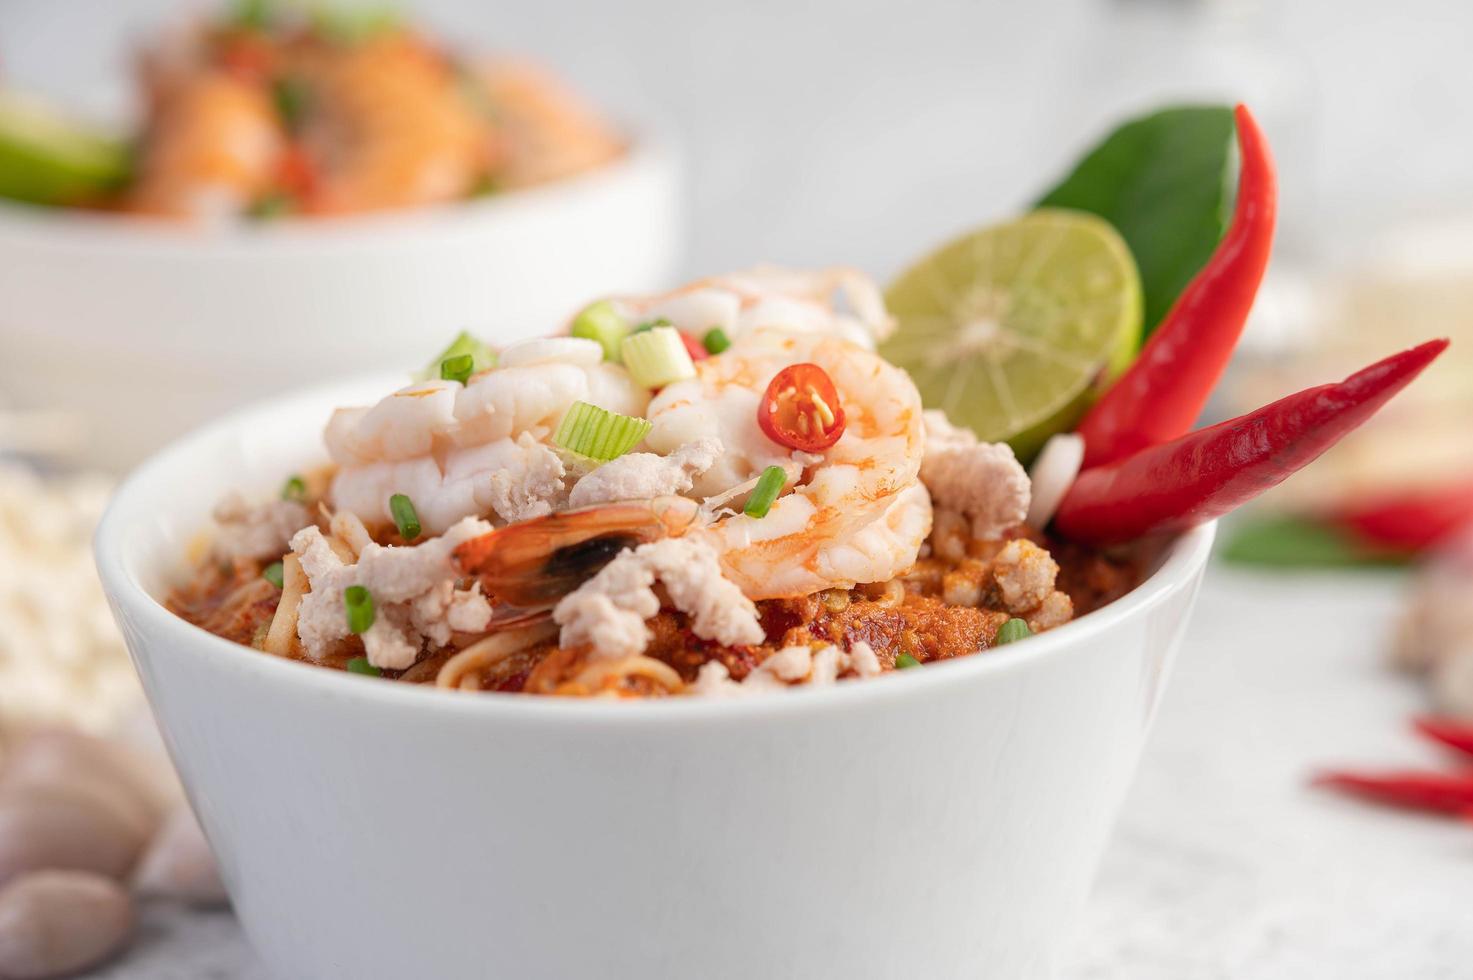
801 409
694 347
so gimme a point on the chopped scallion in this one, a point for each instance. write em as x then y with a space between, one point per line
482 356
906 660
657 357
359 606
715 341
599 434
274 574
458 368
295 488
406 518
1012 631
769 485
658 321
360 665
601 322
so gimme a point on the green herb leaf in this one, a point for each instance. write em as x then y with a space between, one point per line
1165 182
1297 542
360 665
274 573
295 488
905 661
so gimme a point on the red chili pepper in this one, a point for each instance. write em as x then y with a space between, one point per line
1162 394
1434 791
1204 475
1413 520
296 172
1454 734
801 409
694 347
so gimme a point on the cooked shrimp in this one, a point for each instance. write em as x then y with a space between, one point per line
389 127
466 450
211 149
547 131
857 514
838 301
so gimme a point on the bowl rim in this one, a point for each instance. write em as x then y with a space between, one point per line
1184 558
650 149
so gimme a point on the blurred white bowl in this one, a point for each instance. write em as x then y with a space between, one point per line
144 330
940 823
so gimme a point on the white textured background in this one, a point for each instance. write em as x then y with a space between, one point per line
862 133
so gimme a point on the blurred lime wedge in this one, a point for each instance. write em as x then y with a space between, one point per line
1013 330
46 158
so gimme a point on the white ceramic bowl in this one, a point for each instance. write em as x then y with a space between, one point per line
143 329
945 822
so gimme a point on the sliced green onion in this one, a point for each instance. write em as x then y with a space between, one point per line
715 341
406 518
295 488
291 97
658 321
274 574
906 660
1012 631
482 356
599 434
657 357
601 322
359 605
458 368
360 665
764 494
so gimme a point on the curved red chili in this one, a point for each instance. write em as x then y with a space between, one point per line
801 409
1162 394
694 347
1434 791
1454 734
1202 476
1412 520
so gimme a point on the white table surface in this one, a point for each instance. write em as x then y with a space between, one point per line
1225 865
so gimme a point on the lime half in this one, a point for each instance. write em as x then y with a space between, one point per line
46 158
1013 330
